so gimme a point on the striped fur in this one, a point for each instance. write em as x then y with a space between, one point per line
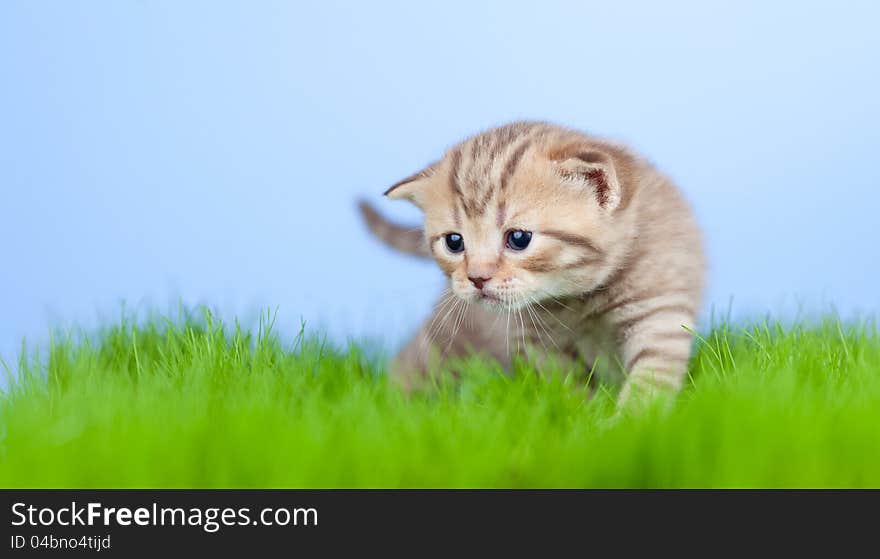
613 276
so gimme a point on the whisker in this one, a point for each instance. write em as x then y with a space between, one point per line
522 330
456 325
441 305
444 304
539 324
537 329
433 331
507 332
556 300
456 317
548 332
564 325
495 322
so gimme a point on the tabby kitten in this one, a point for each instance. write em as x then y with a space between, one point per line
554 241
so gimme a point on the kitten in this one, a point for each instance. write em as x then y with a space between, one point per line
554 241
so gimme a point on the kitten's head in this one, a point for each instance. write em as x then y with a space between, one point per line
521 213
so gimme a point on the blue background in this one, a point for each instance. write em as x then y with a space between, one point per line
212 152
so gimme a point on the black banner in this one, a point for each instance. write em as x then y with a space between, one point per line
142 522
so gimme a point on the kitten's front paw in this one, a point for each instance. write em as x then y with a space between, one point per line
636 398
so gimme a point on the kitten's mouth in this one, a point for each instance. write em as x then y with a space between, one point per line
498 303
492 301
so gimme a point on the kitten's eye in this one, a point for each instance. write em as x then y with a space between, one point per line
454 242
519 240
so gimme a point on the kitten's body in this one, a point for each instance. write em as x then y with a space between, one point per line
613 275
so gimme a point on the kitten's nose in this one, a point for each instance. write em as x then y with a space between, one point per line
478 282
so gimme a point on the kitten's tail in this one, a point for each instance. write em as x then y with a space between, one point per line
409 240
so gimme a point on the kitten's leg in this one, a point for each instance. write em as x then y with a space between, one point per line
454 330
409 369
655 347
422 357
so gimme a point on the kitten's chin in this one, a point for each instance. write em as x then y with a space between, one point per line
496 303
491 302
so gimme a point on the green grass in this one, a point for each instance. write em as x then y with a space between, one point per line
196 404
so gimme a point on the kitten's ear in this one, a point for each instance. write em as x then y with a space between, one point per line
595 169
411 188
